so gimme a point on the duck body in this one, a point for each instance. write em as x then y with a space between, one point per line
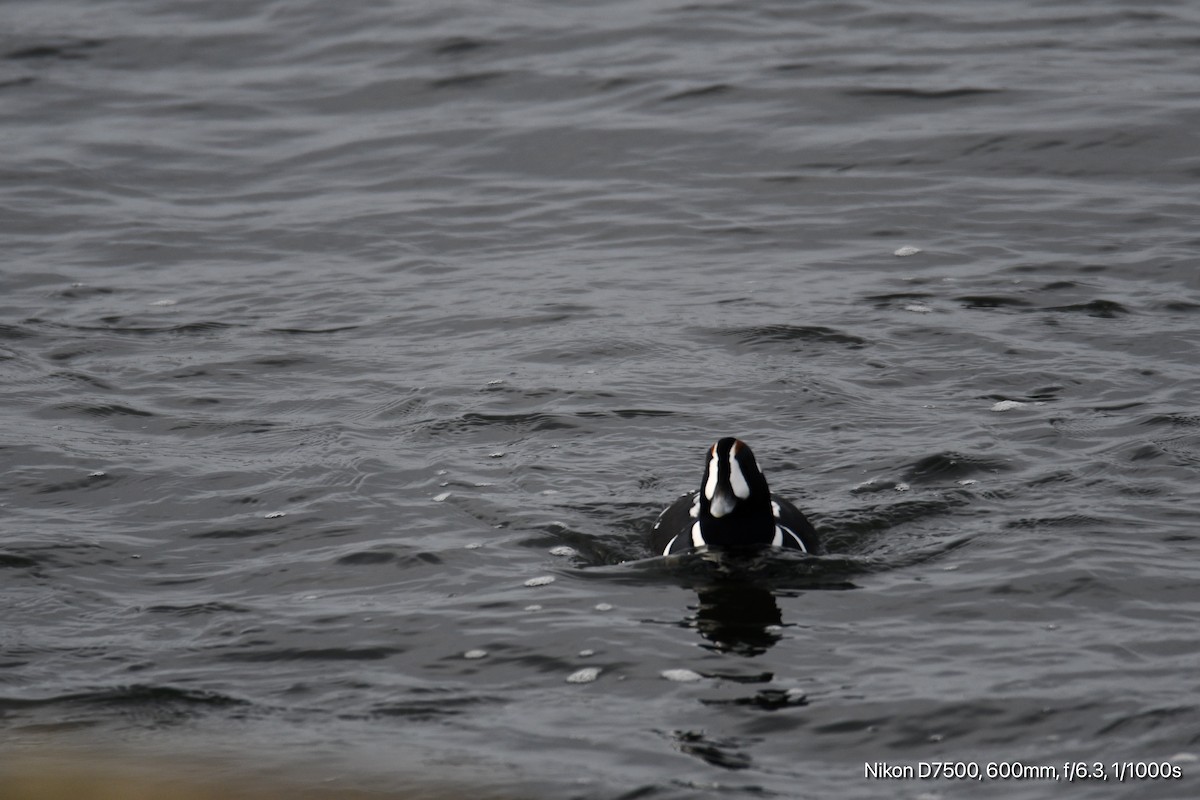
732 509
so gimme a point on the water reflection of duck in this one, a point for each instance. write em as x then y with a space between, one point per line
738 618
733 508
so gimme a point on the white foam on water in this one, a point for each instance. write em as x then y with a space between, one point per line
585 675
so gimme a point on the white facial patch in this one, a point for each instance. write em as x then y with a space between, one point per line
710 486
737 480
721 502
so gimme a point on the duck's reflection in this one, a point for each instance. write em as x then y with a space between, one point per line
737 617
737 609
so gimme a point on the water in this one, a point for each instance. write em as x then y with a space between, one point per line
322 327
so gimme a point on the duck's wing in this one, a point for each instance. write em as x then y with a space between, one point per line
672 533
792 529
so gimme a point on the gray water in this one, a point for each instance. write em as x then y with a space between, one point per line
326 327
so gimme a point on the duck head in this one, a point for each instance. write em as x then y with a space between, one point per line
734 503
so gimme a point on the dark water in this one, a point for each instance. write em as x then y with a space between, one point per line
326 327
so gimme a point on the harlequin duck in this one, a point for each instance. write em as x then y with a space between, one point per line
733 508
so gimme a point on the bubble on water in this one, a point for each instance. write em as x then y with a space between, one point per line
681 675
495 382
474 654
603 607
918 308
586 653
540 581
97 474
563 550
497 454
533 607
472 546
967 482
585 675
907 250
437 498
166 301
1008 405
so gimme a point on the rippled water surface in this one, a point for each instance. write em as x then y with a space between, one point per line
348 352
